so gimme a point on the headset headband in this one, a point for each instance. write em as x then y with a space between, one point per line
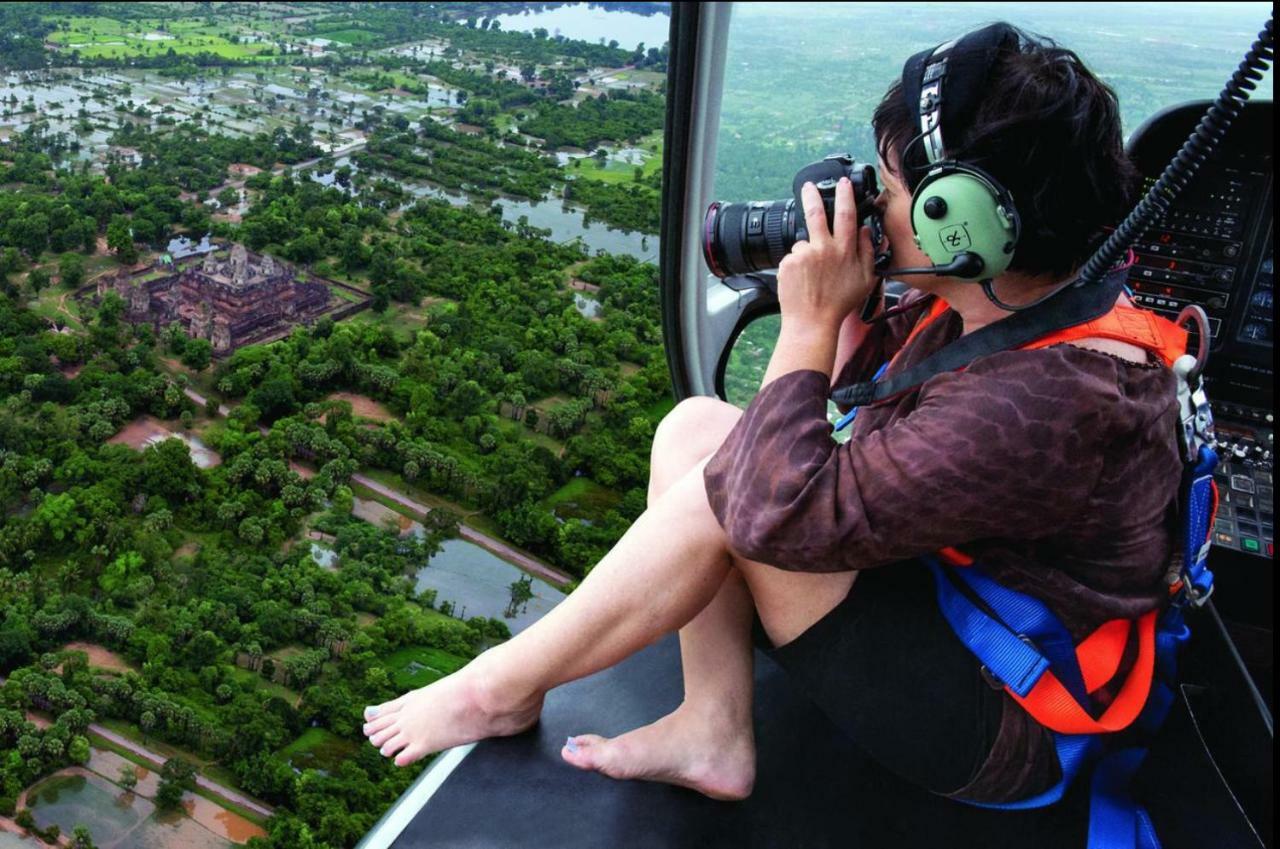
964 64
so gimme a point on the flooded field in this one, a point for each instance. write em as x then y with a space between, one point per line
90 103
76 796
12 840
123 819
470 577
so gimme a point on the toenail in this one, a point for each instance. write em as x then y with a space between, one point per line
370 712
572 745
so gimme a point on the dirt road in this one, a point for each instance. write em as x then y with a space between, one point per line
158 760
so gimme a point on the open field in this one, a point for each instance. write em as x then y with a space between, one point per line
362 407
100 657
94 37
418 666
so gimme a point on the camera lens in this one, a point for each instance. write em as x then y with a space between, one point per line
742 238
739 238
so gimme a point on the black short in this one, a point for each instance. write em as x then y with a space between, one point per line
888 671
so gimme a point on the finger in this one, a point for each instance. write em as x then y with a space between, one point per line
846 226
815 215
866 250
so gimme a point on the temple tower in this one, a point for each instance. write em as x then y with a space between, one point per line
221 335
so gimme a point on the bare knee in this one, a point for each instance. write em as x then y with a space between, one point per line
789 603
690 432
694 428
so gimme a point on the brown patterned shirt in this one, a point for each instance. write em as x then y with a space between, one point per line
1057 469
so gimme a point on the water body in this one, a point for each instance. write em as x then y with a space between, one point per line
588 306
13 841
566 222
591 22
472 578
78 797
182 246
325 557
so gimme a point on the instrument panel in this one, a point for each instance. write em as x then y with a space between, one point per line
1215 248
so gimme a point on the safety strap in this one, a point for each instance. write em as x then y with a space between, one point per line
1025 647
1034 670
1075 305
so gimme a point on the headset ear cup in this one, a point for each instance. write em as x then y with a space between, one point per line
959 209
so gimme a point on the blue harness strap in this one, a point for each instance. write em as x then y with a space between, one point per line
1018 638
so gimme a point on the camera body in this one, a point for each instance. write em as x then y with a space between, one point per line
741 238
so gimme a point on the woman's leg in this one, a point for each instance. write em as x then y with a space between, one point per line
668 566
707 743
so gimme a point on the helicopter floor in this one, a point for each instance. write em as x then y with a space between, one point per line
814 787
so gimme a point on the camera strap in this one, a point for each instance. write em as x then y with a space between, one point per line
1074 305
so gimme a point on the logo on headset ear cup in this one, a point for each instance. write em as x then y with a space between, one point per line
957 209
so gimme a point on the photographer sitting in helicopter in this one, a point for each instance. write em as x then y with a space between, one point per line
1054 465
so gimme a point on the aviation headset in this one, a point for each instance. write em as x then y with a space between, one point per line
963 219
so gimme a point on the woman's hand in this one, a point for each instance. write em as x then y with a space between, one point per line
824 279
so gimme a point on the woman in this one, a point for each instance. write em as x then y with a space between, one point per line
1056 468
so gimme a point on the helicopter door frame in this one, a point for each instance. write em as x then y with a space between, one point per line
701 314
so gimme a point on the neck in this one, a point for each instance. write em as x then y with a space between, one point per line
967 298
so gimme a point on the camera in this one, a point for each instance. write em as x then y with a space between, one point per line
740 238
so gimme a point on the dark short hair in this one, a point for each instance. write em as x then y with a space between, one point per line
1049 130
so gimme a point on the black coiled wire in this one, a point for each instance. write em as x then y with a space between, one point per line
1197 149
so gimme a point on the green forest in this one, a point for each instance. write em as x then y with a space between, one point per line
150 601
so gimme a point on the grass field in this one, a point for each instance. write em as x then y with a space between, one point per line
318 749
349 36
418 666
239 675
581 498
94 37
621 172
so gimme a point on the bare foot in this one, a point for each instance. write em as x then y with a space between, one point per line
461 708
704 751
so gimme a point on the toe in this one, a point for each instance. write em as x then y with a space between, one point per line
376 725
585 751
385 708
411 753
394 745
384 735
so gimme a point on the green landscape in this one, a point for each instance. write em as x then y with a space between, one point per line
190 627
221 538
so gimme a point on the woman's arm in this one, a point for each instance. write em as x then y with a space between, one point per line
821 283
853 335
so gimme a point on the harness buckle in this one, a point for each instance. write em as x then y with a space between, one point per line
993 680
1194 412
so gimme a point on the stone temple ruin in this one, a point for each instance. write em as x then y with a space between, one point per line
231 298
